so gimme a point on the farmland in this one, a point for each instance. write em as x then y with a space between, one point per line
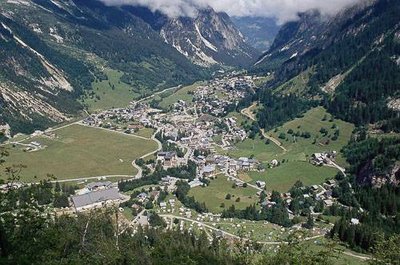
79 152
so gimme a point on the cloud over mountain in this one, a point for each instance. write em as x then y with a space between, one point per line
282 10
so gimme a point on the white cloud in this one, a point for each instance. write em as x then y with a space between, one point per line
283 10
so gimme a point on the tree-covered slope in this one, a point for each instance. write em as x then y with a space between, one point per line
351 60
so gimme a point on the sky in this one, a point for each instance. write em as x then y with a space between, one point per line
282 10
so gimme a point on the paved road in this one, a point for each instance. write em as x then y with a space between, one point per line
91 178
159 148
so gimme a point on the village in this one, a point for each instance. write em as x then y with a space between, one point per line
190 128
196 132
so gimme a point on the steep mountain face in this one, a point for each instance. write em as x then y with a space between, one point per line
210 38
259 32
349 62
52 51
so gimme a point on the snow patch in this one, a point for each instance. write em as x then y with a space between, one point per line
54 34
287 47
204 40
19 2
262 59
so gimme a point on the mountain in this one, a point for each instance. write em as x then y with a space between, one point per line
259 32
348 62
208 39
52 51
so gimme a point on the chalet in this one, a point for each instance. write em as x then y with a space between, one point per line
195 183
208 171
328 203
261 184
168 159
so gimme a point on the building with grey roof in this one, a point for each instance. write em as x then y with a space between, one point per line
98 185
95 198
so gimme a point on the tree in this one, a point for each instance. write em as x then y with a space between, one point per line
228 196
310 222
387 250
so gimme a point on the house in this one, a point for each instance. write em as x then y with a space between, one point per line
143 220
208 171
168 159
328 203
274 163
163 205
195 183
142 196
98 185
95 199
354 221
261 184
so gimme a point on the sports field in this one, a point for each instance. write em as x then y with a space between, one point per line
79 152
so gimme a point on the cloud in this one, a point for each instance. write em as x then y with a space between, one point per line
282 10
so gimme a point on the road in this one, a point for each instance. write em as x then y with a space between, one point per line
248 184
159 148
248 113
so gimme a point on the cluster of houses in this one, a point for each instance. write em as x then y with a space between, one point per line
128 120
208 166
320 159
219 93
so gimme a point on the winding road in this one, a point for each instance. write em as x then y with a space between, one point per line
248 113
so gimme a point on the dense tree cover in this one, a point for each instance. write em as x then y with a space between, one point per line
376 206
187 172
182 190
365 59
381 153
362 98
276 214
276 109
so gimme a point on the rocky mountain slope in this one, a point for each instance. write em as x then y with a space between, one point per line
52 51
210 38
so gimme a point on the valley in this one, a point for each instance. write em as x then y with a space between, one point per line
193 132
120 144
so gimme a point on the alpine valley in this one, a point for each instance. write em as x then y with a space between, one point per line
200 132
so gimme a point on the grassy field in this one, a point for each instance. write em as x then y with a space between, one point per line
215 193
169 99
111 93
79 152
298 150
145 132
283 177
